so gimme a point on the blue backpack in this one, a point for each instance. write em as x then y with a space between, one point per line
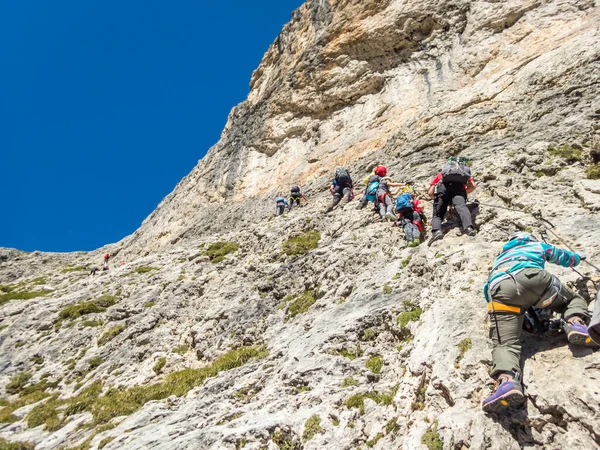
404 201
371 191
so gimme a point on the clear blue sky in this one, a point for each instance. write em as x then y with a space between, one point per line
106 105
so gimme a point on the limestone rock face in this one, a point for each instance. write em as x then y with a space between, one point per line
354 340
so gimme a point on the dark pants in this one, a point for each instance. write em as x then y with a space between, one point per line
529 287
343 193
446 194
280 209
294 199
411 222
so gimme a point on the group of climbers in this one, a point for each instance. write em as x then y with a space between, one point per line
450 187
517 281
296 196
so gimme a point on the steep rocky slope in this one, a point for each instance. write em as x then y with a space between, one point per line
342 337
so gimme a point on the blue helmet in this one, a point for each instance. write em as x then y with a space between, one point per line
523 237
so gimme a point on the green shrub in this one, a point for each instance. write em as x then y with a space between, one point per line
374 441
80 309
124 402
350 355
145 269
566 152
302 244
5 298
368 334
149 304
432 439
105 441
218 250
301 304
358 400
15 445
405 262
463 347
375 364
6 415
95 362
111 334
392 426
158 367
17 383
106 300
387 289
412 315
350 381
91 323
592 172
182 349
312 427
45 413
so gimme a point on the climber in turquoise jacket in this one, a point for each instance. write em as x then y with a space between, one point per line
517 282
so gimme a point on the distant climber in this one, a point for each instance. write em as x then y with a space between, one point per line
280 204
366 198
451 186
106 258
378 191
295 196
594 326
341 189
517 282
93 271
409 210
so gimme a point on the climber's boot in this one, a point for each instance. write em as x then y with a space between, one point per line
508 393
414 243
334 203
577 334
435 236
470 231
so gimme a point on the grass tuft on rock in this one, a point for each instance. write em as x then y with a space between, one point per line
312 427
463 347
160 364
15 445
375 364
17 383
412 315
124 402
349 381
218 250
99 305
182 349
301 304
371 443
392 426
5 298
566 152
111 334
358 400
593 172
302 244
432 439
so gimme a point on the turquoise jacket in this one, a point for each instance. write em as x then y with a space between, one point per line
526 255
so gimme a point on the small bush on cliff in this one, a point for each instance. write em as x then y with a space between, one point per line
432 439
81 309
566 152
301 304
302 244
218 250
4 298
593 172
312 427
111 334
15 445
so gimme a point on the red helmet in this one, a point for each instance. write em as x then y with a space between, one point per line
380 171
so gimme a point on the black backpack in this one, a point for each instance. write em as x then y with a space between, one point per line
296 189
342 177
456 170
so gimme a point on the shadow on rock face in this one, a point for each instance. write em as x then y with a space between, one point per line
533 344
516 422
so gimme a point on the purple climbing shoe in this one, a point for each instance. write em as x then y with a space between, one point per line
577 334
508 394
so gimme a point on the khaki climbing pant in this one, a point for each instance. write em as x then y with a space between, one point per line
510 298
